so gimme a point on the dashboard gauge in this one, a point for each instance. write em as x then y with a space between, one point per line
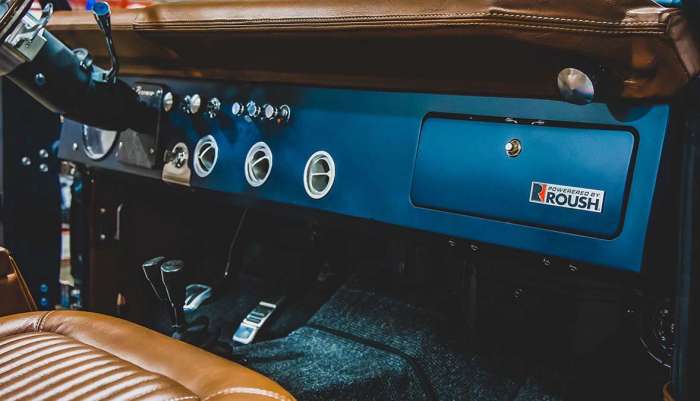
97 142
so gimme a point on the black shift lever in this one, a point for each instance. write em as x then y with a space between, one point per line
172 274
151 269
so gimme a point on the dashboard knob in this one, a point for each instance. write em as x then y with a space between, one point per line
269 112
237 109
168 101
279 114
191 104
284 113
213 107
252 109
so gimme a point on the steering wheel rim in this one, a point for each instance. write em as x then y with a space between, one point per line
12 16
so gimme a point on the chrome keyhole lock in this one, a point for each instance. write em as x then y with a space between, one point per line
513 148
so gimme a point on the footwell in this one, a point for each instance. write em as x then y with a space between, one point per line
362 345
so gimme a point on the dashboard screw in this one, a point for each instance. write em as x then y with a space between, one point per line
40 79
546 261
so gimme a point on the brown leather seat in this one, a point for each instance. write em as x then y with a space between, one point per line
69 355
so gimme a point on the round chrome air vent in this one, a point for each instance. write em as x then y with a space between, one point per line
205 155
319 174
258 164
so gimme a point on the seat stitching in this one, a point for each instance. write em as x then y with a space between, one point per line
248 390
39 320
243 27
189 397
43 320
403 17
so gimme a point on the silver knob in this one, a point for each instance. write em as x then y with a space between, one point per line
575 86
269 112
252 109
168 101
279 114
191 104
285 112
237 109
213 107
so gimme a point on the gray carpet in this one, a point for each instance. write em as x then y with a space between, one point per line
366 346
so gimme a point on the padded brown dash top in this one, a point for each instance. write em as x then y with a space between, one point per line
495 47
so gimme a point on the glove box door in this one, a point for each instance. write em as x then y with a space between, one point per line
563 178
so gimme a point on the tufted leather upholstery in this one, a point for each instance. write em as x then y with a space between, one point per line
80 356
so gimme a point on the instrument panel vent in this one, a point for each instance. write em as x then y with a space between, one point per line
319 174
258 164
206 153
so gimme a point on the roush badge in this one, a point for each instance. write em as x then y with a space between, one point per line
589 200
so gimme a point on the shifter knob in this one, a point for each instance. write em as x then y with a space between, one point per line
172 274
151 269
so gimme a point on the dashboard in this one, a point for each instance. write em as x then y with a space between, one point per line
545 176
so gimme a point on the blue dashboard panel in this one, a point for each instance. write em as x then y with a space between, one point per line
374 139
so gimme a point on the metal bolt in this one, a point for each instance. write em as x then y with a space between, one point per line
43 154
103 210
26 161
103 237
546 261
75 146
451 243
473 247
40 79
518 293
573 268
43 167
